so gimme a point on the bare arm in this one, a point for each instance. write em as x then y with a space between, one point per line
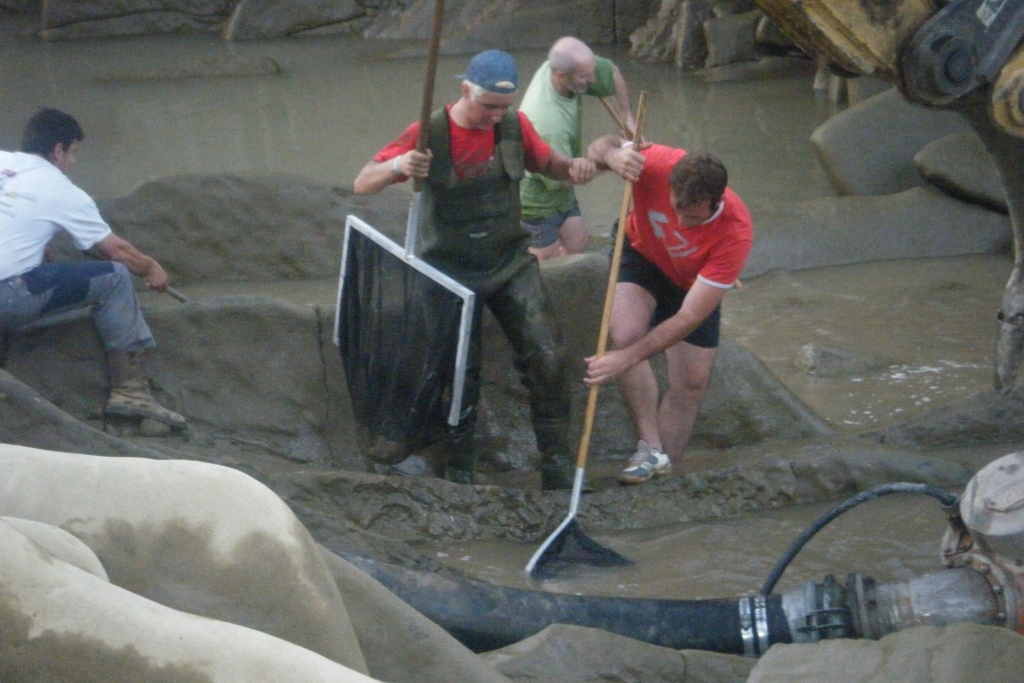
700 301
610 152
375 176
113 248
577 171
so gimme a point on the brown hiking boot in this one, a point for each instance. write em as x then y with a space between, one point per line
129 391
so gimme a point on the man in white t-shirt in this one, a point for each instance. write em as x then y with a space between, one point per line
37 200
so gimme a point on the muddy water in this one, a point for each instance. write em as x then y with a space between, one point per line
338 100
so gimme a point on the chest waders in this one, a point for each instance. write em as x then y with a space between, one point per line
470 230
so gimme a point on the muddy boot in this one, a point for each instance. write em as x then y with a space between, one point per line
556 475
557 470
129 391
461 460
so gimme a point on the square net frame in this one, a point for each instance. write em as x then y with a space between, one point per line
402 328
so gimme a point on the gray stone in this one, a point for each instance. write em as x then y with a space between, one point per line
243 228
574 654
63 12
769 37
252 19
29 419
472 25
731 38
831 362
996 417
960 165
863 88
22 6
920 222
869 148
674 34
925 654
133 25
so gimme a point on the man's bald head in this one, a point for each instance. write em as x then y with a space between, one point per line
567 53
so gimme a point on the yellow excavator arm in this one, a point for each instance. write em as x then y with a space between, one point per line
861 37
935 52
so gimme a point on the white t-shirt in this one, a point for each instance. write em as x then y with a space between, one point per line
37 200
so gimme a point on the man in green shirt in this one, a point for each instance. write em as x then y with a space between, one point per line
554 104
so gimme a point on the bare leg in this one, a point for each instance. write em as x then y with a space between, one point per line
631 315
573 235
553 250
689 371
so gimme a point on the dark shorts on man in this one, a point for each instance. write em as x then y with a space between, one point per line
544 231
668 296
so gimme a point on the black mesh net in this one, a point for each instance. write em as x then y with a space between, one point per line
398 333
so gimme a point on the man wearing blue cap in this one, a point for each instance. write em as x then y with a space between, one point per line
479 148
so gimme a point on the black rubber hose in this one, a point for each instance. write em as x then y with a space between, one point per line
947 499
483 616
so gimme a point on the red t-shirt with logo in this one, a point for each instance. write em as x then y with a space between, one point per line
472 148
714 252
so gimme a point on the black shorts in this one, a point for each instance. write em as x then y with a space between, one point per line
668 296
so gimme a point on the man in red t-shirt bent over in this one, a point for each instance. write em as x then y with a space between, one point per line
687 240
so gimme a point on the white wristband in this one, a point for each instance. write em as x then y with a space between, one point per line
394 166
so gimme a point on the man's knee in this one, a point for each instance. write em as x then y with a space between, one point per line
574 236
691 388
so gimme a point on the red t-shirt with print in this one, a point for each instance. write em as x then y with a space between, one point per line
715 252
472 148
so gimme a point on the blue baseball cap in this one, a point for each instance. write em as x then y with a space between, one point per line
494 71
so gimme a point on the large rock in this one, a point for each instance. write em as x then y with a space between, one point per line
960 165
988 417
68 19
469 25
869 148
472 25
253 19
27 418
926 654
247 369
258 370
575 654
915 223
58 622
191 536
227 227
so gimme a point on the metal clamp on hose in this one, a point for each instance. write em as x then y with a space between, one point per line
827 614
754 625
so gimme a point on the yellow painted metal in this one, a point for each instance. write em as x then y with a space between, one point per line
1008 96
860 36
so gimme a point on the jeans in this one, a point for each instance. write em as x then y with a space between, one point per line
57 287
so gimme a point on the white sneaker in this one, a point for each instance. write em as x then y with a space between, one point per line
645 464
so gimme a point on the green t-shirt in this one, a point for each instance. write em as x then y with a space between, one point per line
559 121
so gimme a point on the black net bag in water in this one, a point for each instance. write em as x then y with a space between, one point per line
401 327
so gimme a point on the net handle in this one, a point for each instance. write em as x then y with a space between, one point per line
613 276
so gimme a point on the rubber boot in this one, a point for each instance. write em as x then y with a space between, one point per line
461 460
556 467
129 390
